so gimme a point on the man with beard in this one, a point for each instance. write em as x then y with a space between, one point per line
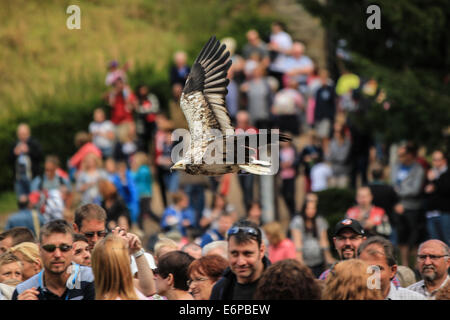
433 262
247 263
59 279
348 235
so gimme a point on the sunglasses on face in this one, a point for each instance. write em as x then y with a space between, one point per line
52 247
100 234
247 230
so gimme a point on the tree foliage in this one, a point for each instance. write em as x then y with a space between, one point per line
408 56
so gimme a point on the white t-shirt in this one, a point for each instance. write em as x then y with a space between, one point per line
283 39
320 173
98 129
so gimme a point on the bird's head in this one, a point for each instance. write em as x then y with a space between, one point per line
179 165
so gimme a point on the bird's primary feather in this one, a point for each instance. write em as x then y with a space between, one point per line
203 104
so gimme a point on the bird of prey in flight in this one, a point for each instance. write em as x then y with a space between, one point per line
214 148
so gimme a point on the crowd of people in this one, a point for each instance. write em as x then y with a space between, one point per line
80 229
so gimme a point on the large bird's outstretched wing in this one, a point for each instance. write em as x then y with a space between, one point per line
203 97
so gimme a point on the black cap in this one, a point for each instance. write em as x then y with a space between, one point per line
350 224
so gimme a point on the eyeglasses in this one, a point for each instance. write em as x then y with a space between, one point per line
248 230
52 247
100 234
423 257
196 280
352 238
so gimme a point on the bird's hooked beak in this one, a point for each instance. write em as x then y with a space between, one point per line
178 166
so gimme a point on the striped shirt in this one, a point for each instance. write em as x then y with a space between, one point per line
422 289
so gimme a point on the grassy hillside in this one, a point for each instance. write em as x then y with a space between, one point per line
53 77
39 54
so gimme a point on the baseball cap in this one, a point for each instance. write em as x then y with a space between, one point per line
350 224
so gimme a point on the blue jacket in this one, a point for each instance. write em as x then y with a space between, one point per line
210 236
143 181
177 216
129 194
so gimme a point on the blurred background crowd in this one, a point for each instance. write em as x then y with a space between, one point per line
121 162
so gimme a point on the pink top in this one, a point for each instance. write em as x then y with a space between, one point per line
78 157
284 250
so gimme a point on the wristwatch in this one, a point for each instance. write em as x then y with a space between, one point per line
139 253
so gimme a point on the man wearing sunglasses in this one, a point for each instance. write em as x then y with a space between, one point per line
247 263
90 221
59 279
433 262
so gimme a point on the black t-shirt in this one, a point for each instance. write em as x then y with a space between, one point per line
48 295
325 103
244 291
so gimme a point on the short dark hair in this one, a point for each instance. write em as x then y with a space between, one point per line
18 235
22 202
288 280
56 226
243 237
411 148
177 263
80 237
52 159
87 212
388 248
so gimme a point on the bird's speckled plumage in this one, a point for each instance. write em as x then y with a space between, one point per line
203 104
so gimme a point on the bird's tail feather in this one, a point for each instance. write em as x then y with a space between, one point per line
258 167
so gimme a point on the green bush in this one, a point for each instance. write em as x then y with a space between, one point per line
57 119
333 204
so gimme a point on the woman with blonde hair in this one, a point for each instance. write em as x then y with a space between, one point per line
350 280
112 271
164 245
280 247
28 253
